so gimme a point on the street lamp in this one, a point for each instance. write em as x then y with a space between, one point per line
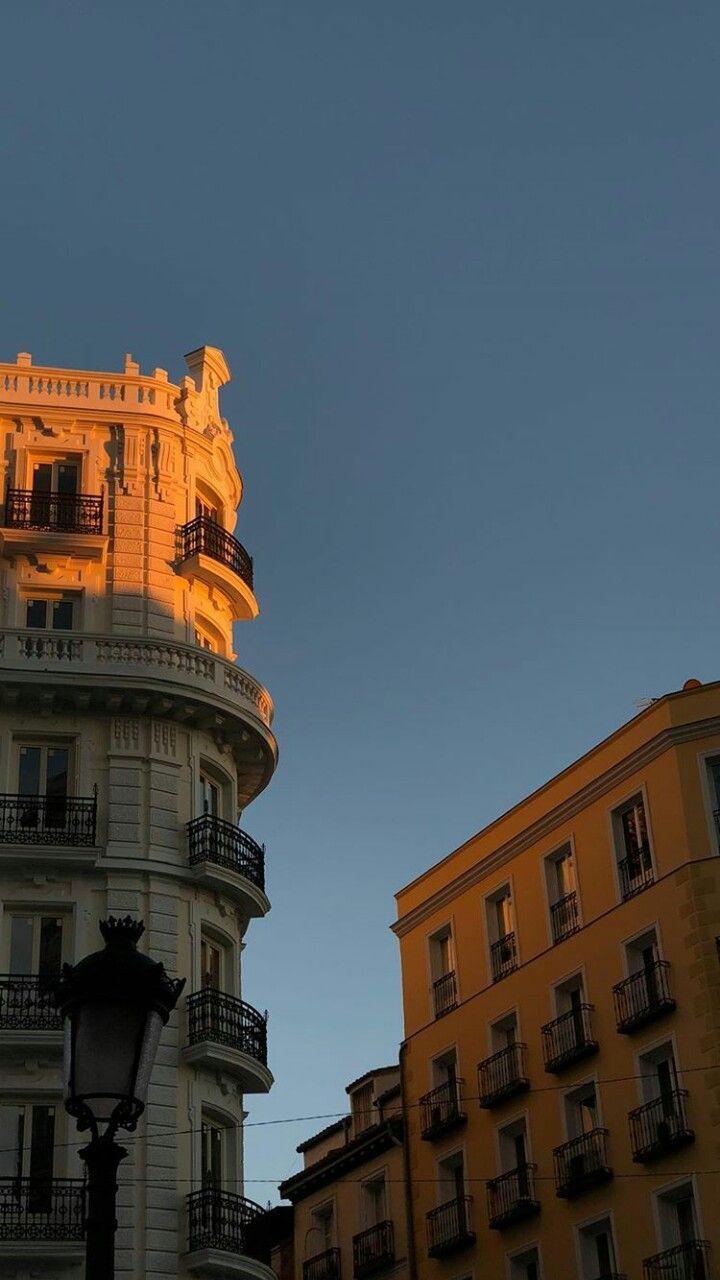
115 1003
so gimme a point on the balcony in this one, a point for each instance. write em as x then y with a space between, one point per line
636 873
569 1038
449 1228
28 1016
643 997
444 992
660 1127
323 1266
689 1261
63 523
48 820
222 1236
42 1223
565 917
503 957
511 1197
373 1249
223 858
207 551
227 1034
440 1110
581 1164
503 1075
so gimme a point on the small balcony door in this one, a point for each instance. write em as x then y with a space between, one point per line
27 1147
213 1154
209 796
204 510
635 839
374 1202
211 965
49 479
44 770
36 946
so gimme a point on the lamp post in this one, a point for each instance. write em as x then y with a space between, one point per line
114 1004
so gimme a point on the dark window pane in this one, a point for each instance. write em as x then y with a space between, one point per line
50 946
62 615
42 1142
21 944
42 477
67 477
57 771
36 613
29 771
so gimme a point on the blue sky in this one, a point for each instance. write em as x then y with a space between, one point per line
463 261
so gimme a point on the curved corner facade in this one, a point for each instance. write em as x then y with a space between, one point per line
130 743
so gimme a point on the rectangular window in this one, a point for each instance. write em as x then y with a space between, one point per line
50 615
363 1112
209 796
321 1235
211 964
632 844
27 1149
213 1153
562 893
442 970
501 933
525 1265
374 1202
597 1250
35 945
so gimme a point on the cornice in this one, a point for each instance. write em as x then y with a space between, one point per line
337 1163
605 782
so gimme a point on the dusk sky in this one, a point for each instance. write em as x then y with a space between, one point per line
462 259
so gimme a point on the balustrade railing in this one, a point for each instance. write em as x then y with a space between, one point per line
53 512
689 1261
565 916
212 839
441 1110
581 1163
636 873
449 1226
444 991
222 1220
660 1126
223 1019
643 996
205 536
569 1038
323 1266
503 956
373 1249
503 1075
42 1209
511 1197
48 820
27 1004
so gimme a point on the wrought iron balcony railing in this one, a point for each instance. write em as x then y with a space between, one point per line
222 1220
581 1164
373 1249
503 1075
643 997
449 1227
503 957
636 873
205 536
511 1197
214 840
441 1110
689 1261
323 1266
565 916
223 1019
569 1038
65 820
659 1126
26 1003
42 1209
444 991
53 512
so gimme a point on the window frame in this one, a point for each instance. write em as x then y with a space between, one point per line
607 1215
617 844
549 861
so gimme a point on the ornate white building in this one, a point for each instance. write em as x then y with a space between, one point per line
130 742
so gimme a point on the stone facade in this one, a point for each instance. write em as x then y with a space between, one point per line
130 743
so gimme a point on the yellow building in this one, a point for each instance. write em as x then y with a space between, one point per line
350 1213
561 985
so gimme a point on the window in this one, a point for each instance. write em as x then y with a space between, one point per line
50 615
451 1178
35 943
442 971
562 893
374 1202
43 769
211 964
632 844
597 1250
658 1074
209 795
27 1149
213 1153
582 1113
204 641
504 1032
713 778
677 1218
525 1265
321 1235
444 1069
361 1104
512 1141
56 477
501 934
